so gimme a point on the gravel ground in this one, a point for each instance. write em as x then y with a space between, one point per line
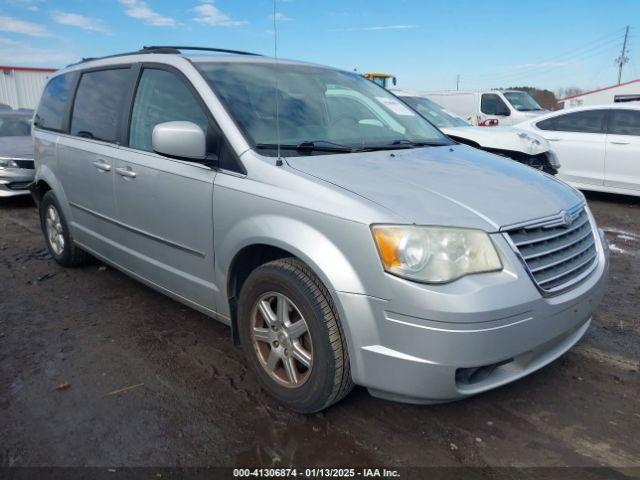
98 370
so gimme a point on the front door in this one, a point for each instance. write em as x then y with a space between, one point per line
622 166
493 111
164 206
578 139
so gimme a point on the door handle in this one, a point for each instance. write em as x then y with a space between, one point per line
126 172
102 166
619 143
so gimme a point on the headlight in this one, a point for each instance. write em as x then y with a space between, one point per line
553 160
434 254
8 163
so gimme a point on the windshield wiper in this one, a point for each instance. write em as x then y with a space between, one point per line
309 146
403 143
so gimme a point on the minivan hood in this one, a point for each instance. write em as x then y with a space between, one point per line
450 185
502 138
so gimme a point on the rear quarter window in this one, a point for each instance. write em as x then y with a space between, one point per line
97 108
624 122
53 104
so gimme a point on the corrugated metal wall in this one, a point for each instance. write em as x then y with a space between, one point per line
20 88
605 96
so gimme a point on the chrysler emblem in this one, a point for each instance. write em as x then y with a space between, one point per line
566 219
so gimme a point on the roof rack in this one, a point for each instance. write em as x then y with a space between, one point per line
160 49
155 49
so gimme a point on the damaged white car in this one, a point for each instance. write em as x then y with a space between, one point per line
516 144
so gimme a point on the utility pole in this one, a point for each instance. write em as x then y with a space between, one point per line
622 59
457 82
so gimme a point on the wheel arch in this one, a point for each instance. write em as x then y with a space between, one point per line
310 246
243 263
44 181
38 190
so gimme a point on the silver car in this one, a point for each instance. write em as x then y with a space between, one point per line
16 152
343 238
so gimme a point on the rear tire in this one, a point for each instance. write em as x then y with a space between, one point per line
292 337
57 234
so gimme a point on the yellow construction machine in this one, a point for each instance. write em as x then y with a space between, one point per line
382 79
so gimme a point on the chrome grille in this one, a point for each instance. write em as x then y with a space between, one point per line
556 252
18 185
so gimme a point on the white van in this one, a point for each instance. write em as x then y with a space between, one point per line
489 108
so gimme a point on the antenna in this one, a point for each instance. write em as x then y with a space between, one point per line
622 59
275 56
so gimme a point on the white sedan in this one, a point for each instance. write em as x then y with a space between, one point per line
516 144
598 146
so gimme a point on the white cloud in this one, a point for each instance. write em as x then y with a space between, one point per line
390 27
13 52
280 17
381 27
140 9
80 21
209 14
30 5
545 65
15 25
10 42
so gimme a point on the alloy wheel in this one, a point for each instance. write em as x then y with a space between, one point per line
54 230
281 339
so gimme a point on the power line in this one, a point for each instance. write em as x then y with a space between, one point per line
585 48
590 49
537 71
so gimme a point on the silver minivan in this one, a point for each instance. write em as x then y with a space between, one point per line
343 238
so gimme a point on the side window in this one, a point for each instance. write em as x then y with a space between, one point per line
492 104
548 124
588 121
163 97
98 105
53 104
624 122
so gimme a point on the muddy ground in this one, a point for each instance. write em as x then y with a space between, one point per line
184 396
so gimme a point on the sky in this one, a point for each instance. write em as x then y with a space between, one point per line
426 44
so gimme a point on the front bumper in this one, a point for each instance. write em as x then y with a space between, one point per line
481 332
15 181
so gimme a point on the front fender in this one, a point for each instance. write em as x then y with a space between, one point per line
311 245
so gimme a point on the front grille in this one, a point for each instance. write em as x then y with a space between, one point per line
18 185
556 252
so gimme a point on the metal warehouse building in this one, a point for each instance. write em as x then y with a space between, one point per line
624 92
21 87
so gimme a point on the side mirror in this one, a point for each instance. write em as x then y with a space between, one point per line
394 81
184 140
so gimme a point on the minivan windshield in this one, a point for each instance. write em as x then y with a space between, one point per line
522 101
320 110
435 113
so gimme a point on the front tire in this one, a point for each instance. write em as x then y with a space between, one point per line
57 235
292 337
